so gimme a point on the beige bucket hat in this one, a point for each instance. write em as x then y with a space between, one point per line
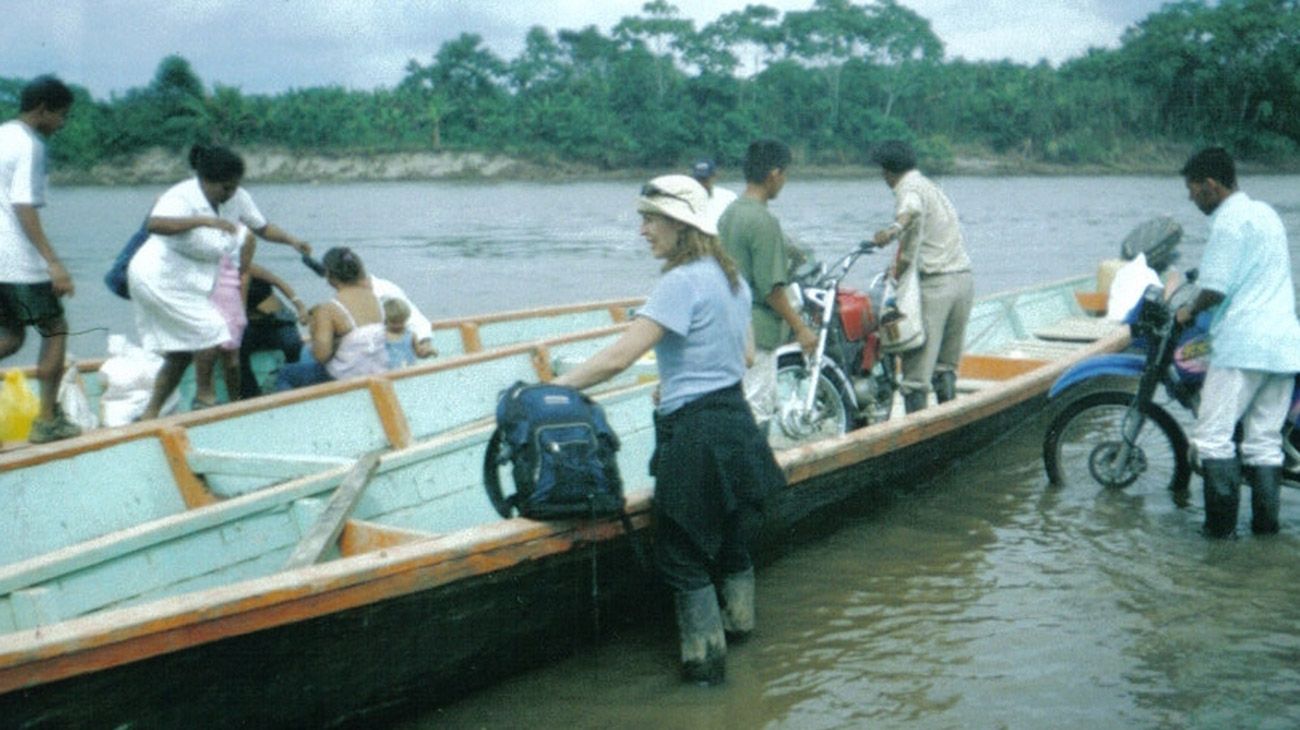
679 197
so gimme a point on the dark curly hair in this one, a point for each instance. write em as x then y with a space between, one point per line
45 90
1212 163
894 155
343 265
216 163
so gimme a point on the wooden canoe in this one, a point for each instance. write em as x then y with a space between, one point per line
328 556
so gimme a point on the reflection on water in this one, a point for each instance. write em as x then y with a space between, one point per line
982 598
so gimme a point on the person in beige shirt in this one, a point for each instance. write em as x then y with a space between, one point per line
929 235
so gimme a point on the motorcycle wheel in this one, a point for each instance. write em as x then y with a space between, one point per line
831 408
1084 439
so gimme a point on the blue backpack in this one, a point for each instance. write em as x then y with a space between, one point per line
115 279
562 454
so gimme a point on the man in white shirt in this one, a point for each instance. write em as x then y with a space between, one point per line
1255 346
32 277
705 172
929 235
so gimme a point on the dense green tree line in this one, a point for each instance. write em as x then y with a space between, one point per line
657 90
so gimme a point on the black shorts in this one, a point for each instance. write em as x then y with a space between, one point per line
24 304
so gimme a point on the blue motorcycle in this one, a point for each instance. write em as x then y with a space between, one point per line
1112 432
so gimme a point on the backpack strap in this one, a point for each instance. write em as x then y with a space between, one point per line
492 477
635 539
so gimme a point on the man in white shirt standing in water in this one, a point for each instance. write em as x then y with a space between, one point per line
1255 346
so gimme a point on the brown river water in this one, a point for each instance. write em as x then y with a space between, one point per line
978 597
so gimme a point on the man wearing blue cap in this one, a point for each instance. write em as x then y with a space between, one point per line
705 171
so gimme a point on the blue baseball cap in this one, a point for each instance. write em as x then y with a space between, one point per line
703 169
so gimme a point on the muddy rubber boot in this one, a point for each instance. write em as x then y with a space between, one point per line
915 400
738 605
945 386
1265 500
1222 479
703 644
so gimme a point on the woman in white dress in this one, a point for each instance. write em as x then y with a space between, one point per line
171 277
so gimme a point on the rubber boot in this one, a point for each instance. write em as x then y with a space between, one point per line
945 385
738 605
915 400
703 644
1222 479
1265 500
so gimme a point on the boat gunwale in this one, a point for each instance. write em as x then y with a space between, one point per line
536 312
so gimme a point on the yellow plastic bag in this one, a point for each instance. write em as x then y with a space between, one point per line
18 407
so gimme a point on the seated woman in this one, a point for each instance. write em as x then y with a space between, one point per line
347 333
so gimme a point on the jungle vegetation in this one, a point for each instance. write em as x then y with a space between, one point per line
657 90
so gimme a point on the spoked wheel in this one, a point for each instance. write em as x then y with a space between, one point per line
1084 444
793 426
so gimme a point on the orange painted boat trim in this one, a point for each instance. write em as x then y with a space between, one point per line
992 367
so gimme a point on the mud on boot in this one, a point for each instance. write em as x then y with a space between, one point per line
737 594
703 644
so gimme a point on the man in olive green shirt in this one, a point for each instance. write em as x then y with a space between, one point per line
752 237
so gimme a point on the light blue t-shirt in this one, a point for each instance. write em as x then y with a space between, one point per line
400 353
705 327
1246 260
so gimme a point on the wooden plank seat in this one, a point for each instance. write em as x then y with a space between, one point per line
977 372
1092 302
1036 349
1078 329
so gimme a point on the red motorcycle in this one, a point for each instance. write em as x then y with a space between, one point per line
848 382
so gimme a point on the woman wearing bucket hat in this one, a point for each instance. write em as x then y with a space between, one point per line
713 468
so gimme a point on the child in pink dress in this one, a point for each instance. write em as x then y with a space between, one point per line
228 297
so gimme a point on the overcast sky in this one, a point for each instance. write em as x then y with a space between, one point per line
267 46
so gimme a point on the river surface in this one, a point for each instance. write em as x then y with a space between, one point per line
976 598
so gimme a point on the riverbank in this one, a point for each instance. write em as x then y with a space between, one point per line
160 166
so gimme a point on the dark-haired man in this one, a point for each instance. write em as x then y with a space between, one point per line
32 278
753 238
929 236
1246 273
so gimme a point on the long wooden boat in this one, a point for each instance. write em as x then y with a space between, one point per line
327 556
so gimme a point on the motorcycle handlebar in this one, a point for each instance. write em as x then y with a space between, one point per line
818 274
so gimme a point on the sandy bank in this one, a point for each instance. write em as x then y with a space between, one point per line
160 166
